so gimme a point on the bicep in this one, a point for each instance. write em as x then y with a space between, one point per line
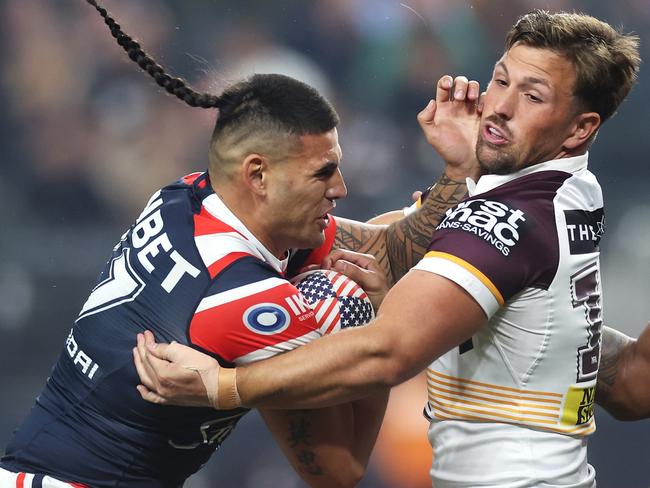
427 315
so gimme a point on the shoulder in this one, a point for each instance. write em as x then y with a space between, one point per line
503 240
250 312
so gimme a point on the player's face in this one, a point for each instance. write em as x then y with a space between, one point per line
529 110
303 191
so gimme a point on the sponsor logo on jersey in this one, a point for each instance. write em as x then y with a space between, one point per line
299 307
579 405
266 318
494 222
584 229
84 363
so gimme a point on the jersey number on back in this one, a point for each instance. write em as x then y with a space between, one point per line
585 293
122 285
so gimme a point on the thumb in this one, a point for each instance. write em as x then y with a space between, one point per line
426 116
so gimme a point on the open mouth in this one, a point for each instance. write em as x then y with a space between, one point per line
324 219
494 135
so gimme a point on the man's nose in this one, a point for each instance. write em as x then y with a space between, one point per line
505 105
338 188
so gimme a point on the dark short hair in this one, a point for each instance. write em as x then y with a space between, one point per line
606 60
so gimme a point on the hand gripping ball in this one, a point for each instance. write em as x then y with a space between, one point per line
337 301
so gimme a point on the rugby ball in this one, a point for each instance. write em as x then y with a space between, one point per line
338 302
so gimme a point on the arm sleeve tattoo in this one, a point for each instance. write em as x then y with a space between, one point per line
402 244
407 239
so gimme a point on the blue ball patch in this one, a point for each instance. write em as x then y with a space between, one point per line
266 318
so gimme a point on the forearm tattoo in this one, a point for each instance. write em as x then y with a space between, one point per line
614 344
300 441
402 244
407 240
364 238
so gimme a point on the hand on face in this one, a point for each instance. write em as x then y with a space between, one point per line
362 268
173 374
451 122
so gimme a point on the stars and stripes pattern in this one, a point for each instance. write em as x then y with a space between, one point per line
338 302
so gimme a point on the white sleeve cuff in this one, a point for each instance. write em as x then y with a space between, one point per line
463 278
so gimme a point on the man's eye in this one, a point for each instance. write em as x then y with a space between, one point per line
325 172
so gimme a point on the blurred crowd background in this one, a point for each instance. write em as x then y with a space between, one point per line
86 138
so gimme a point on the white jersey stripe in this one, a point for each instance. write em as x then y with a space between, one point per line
238 293
213 247
463 277
279 348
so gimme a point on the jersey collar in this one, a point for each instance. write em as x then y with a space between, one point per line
218 209
571 165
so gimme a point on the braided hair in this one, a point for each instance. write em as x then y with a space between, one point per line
266 101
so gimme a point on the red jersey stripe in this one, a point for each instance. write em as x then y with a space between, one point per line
191 178
215 268
205 223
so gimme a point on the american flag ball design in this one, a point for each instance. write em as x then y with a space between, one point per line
337 301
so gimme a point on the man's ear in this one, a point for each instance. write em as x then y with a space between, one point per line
583 129
254 172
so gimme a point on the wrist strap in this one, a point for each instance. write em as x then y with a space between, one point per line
227 396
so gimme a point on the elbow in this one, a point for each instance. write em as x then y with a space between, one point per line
393 367
625 404
628 412
347 473
395 372
350 475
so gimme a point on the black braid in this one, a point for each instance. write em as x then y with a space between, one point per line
175 86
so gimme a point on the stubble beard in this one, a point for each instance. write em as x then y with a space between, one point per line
493 160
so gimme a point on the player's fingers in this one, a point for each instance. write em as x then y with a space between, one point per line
473 91
366 261
373 283
426 116
443 89
481 103
416 195
150 396
141 369
149 339
460 88
143 362
361 275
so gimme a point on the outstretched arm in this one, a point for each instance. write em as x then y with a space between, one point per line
335 369
624 375
399 246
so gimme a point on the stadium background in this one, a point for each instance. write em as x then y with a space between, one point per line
86 137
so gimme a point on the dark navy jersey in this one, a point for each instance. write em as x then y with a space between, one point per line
191 272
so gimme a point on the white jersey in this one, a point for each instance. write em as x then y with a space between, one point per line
511 406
